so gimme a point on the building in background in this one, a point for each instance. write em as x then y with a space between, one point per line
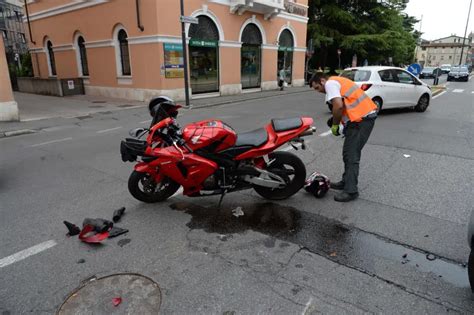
132 49
446 50
12 30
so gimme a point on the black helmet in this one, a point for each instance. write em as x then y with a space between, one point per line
162 107
317 184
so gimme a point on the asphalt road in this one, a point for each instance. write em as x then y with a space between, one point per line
302 255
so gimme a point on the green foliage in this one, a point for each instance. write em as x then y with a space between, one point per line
371 29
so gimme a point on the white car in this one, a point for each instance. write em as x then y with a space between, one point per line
391 87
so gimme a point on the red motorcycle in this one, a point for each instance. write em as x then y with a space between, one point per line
209 157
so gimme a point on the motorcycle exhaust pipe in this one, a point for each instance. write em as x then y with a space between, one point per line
308 132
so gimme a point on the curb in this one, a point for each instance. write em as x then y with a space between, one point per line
13 133
247 99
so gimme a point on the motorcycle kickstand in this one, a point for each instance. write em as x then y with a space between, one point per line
222 197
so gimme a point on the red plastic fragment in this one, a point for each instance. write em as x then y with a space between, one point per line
116 301
88 235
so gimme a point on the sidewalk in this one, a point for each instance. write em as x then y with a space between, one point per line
38 111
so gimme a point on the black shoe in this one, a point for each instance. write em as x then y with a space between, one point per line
338 185
345 197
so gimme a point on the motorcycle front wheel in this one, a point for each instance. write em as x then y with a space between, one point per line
143 187
291 169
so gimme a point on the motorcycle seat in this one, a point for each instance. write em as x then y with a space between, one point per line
286 124
253 138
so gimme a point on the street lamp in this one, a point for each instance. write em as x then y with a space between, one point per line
185 54
465 32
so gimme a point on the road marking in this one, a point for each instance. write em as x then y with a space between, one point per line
26 253
145 121
472 92
439 94
458 90
306 309
107 130
325 134
49 142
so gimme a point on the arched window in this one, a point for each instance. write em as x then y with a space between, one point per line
82 56
52 63
124 53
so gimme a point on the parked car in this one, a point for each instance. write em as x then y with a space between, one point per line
446 68
391 87
458 74
470 241
430 72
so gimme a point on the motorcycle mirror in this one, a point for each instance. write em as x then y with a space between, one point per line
137 132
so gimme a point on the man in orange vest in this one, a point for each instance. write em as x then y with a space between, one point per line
352 108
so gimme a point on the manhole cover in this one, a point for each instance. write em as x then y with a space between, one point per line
139 295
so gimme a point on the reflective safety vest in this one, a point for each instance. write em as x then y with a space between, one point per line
357 104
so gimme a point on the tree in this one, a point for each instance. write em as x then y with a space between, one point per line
372 29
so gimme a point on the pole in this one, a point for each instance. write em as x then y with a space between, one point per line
185 56
420 40
465 32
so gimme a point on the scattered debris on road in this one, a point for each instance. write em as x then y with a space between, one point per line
237 212
116 231
430 257
118 214
72 228
406 155
116 301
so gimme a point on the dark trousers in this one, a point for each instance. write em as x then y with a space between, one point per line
357 135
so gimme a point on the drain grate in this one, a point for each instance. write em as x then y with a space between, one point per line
139 295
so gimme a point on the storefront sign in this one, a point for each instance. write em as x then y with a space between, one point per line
294 8
203 43
283 48
174 61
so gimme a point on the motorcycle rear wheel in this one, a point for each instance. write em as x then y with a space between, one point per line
291 169
144 188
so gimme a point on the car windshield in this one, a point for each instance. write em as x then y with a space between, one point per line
356 75
459 69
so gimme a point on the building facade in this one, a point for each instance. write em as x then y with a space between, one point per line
132 49
445 51
11 28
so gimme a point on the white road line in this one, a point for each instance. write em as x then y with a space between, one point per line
107 130
307 306
49 142
472 92
145 121
439 94
26 253
325 134
458 90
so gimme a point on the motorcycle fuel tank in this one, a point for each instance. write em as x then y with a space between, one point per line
212 135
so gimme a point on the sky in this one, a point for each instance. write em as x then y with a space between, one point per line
441 18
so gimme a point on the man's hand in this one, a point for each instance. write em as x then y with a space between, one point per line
335 130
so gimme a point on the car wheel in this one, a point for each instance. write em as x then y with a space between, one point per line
378 101
423 103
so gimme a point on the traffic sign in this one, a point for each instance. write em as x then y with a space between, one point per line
188 19
414 69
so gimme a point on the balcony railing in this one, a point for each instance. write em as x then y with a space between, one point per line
269 8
